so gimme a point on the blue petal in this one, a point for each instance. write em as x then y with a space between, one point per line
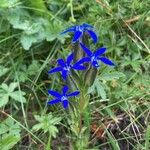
106 61
74 93
69 59
65 103
57 69
72 29
95 64
93 35
79 67
65 89
61 62
85 25
77 35
87 51
82 60
100 51
54 101
54 93
64 74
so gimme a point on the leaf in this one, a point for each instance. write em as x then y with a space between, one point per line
8 142
7 92
112 75
12 86
147 138
33 68
18 96
9 134
47 123
27 41
3 70
3 99
98 87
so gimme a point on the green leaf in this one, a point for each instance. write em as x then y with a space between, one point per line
47 123
12 86
147 138
9 134
3 70
27 41
18 96
98 87
112 75
7 92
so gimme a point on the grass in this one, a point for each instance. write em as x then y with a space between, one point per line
119 100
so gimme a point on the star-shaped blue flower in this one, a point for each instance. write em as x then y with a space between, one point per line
79 30
94 57
63 98
66 66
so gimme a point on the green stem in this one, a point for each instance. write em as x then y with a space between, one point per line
48 146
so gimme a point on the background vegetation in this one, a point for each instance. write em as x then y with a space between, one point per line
30 43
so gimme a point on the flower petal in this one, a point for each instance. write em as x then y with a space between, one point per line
57 69
85 25
54 101
106 61
72 29
93 35
82 60
65 89
64 74
76 36
54 93
74 93
65 103
95 64
61 62
79 67
100 51
69 59
87 51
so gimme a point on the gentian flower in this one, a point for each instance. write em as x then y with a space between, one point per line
79 30
66 66
63 98
94 57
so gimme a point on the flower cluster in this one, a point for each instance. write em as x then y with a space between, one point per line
67 66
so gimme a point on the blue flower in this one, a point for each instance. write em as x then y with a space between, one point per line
94 57
79 30
66 66
63 98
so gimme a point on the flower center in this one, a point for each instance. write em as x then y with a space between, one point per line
93 58
67 68
63 98
79 28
